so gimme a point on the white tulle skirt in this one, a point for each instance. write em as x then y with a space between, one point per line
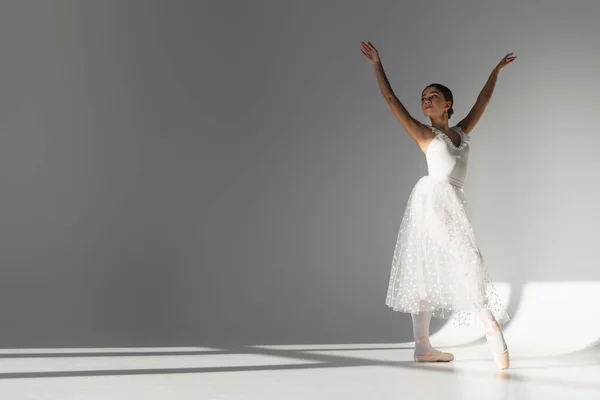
437 265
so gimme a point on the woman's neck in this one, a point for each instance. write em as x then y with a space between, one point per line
441 124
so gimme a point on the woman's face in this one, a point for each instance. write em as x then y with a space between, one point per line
433 103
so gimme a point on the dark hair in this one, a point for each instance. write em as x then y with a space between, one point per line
447 93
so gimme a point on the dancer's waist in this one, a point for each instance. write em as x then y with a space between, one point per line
448 179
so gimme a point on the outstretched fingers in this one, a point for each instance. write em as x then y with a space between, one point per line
510 57
370 53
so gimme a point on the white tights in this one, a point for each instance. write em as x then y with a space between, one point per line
421 333
493 332
422 320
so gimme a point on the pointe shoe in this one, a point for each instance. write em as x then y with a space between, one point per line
432 356
502 359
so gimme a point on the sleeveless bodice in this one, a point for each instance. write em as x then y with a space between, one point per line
445 161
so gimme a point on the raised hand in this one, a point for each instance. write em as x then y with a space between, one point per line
509 58
370 53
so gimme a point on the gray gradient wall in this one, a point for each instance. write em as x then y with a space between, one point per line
193 172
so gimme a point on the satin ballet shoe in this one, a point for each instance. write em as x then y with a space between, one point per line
432 356
502 359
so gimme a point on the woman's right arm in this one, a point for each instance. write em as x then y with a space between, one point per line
419 132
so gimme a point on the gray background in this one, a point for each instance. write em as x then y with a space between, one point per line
209 172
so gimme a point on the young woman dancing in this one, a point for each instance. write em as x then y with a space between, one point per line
437 267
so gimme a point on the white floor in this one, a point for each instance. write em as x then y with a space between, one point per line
376 371
549 361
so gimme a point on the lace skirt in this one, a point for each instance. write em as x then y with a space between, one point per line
437 265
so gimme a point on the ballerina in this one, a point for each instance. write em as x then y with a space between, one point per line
437 267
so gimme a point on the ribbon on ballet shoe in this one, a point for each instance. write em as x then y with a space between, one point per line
422 340
491 325
496 342
429 354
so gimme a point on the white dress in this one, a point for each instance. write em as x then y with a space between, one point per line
437 265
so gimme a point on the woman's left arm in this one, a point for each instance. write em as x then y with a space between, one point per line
469 122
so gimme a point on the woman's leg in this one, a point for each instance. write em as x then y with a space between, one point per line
495 339
423 349
421 323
